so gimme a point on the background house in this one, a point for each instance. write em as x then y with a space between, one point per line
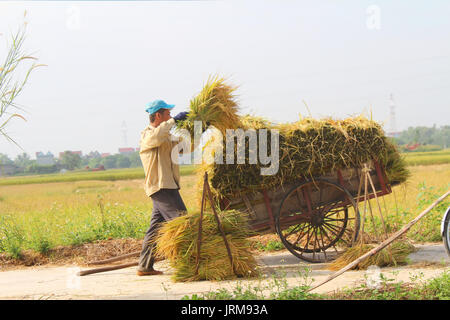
126 150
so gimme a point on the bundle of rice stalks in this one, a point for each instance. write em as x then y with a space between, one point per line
395 164
177 241
215 105
393 255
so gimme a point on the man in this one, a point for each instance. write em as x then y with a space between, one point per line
162 176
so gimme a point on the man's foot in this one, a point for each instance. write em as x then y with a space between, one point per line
148 272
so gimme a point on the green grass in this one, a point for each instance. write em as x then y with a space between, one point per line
43 216
272 245
277 288
401 212
437 288
70 226
107 175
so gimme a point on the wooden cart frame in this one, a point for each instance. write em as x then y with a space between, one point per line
315 216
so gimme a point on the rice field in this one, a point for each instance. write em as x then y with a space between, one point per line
427 158
40 216
82 175
427 183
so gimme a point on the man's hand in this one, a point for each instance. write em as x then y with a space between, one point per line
181 116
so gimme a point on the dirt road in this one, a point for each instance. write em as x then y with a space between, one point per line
62 283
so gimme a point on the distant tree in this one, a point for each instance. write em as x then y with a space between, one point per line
109 162
95 162
442 137
135 160
425 136
70 160
123 161
4 159
94 154
92 159
84 161
23 160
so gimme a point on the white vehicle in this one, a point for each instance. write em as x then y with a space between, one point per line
445 230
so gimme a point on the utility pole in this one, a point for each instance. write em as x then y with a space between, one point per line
124 133
392 123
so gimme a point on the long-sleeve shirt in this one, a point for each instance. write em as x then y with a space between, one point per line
155 151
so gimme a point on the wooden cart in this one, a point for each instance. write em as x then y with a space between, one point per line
313 218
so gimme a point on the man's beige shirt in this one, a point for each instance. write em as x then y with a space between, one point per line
155 151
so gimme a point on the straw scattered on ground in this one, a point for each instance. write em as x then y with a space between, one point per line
393 255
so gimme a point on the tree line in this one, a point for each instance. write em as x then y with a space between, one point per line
426 138
71 161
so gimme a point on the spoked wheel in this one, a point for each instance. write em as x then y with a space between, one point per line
315 216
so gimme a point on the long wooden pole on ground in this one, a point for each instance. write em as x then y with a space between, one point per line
116 267
384 243
114 259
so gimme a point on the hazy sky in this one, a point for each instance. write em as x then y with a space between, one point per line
106 60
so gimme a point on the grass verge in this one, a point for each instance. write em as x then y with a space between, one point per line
437 288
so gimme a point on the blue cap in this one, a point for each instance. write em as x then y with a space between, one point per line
154 106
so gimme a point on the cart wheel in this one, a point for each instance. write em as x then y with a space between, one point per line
446 231
315 216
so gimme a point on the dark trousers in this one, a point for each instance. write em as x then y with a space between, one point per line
167 204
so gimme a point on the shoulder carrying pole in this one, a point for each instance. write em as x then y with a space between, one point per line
103 269
200 225
206 189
